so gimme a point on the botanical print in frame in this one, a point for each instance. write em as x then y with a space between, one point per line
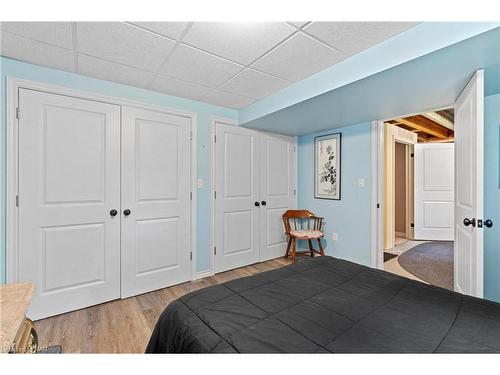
327 155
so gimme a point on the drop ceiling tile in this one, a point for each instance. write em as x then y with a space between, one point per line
353 37
299 24
56 33
242 42
298 58
123 43
110 71
180 88
225 99
189 64
168 29
28 50
254 84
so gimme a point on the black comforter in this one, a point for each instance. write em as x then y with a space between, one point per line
326 305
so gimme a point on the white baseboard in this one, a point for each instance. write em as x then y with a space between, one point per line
201 275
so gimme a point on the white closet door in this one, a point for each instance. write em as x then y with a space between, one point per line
277 192
237 197
156 171
69 176
434 191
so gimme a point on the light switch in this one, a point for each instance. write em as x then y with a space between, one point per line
199 183
361 182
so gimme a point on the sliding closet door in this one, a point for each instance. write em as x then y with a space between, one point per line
237 203
155 213
277 191
69 183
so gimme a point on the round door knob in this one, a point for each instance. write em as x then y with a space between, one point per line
126 212
113 212
256 204
263 203
468 222
488 223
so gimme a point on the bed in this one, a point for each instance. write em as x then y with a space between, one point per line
326 305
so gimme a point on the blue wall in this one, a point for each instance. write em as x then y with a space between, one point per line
492 197
349 217
9 67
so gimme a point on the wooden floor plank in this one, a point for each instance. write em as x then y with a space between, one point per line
124 326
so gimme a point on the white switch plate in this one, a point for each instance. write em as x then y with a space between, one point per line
361 182
199 183
334 236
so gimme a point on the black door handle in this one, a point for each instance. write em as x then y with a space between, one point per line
468 222
256 204
113 212
263 203
126 212
488 223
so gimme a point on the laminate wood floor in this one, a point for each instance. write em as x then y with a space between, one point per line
124 326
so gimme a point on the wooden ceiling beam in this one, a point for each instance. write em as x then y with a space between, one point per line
423 124
441 120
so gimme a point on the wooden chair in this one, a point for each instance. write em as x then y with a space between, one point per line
302 225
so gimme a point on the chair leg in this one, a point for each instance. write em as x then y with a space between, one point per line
294 250
321 251
311 247
288 247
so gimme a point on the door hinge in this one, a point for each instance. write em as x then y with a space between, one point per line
378 205
191 195
190 255
215 138
412 155
191 135
215 250
17 113
17 200
215 194
294 192
412 225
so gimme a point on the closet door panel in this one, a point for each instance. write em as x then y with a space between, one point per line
69 181
237 191
156 173
277 191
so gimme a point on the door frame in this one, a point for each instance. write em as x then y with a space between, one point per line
377 192
12 151
377 186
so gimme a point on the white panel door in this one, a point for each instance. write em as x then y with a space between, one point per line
69 181
237 203
277 191
469 125
434 191
156 170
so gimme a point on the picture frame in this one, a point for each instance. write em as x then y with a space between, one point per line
327 166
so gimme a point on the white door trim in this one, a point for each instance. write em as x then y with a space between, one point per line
11 218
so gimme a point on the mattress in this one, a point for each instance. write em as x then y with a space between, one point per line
326 305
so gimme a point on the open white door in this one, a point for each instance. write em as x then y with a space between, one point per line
469 117
237 204
434 191
277 191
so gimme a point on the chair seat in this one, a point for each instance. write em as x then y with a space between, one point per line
306 234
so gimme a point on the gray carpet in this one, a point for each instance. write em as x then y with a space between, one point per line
431 262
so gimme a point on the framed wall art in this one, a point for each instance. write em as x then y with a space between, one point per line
327 173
